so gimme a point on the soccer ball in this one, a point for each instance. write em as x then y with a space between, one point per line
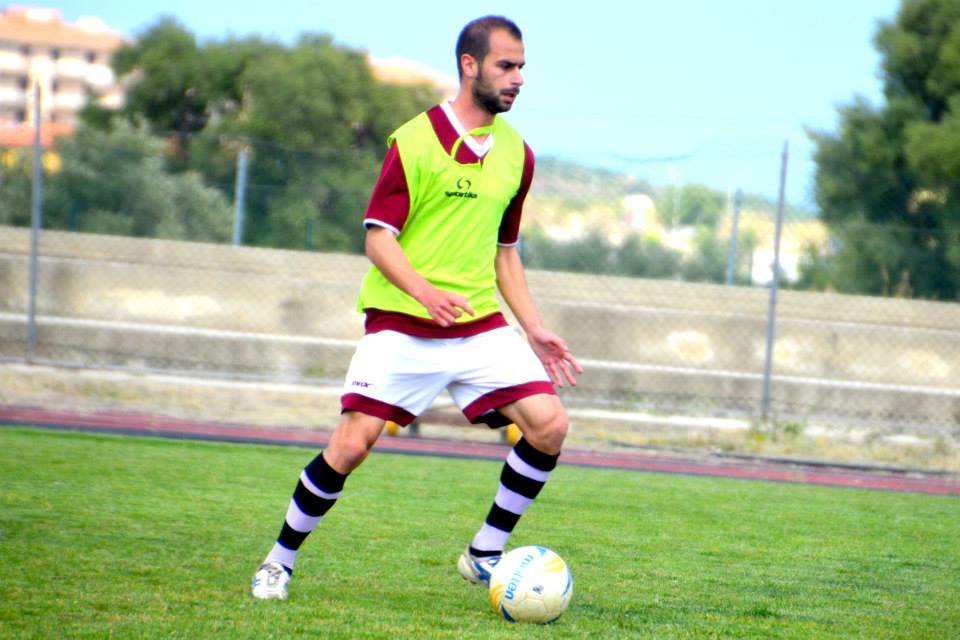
531 584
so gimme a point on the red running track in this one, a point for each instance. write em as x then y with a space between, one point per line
801 473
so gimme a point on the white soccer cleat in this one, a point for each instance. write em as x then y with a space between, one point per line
270 582
476 570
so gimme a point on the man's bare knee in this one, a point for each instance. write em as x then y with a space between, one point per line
558 426
352 451
551 433
543 421
352 441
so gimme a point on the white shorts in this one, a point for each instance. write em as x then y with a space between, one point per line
396 377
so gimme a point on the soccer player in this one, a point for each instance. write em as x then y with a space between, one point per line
442 228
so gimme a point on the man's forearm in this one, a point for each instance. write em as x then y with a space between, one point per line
512 283
386 254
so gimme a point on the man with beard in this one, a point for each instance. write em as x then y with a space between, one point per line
442 228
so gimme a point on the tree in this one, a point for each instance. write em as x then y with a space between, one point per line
312 118
888 182
15 187
170 88
117 182
593 253
589 254
647 258
709 260
692 205
318 121
178 87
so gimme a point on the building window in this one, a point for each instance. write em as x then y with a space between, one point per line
22 82
91 57
25 49
54 54
20 116
54 85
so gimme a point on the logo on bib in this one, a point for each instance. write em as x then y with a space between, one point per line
463 190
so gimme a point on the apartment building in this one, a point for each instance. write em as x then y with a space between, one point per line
69 61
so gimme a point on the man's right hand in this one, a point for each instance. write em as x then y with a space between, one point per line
385 252
443 306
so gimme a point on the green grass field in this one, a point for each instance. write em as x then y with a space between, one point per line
104 536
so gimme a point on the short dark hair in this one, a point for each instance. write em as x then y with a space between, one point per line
475 37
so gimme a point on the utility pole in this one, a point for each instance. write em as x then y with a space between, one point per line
774 286
734 230
239 194
36 209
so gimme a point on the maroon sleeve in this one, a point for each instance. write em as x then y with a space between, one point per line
390 201
510 224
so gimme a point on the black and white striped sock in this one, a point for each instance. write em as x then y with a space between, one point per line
317 490
524 474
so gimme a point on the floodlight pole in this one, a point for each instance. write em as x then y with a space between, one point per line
774 286
36 207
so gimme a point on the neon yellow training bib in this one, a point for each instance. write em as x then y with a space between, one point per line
450 235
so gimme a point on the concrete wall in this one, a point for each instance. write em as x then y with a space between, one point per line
109 301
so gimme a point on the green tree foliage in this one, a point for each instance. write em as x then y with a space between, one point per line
709 260
117 182
172 89
312 118
318 121
637 257
16 170
178 86
888 182
590 254
692 205
647 258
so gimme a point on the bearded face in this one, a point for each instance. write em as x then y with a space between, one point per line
490 98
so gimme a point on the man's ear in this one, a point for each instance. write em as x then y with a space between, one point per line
469 66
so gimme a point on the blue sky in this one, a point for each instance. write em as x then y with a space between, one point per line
680 91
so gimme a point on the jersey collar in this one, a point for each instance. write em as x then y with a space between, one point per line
478 148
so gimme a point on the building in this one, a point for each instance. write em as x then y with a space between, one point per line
69 61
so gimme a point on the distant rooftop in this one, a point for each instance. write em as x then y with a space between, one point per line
46 27
403 71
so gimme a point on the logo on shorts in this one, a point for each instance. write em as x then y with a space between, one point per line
463 190
358 383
